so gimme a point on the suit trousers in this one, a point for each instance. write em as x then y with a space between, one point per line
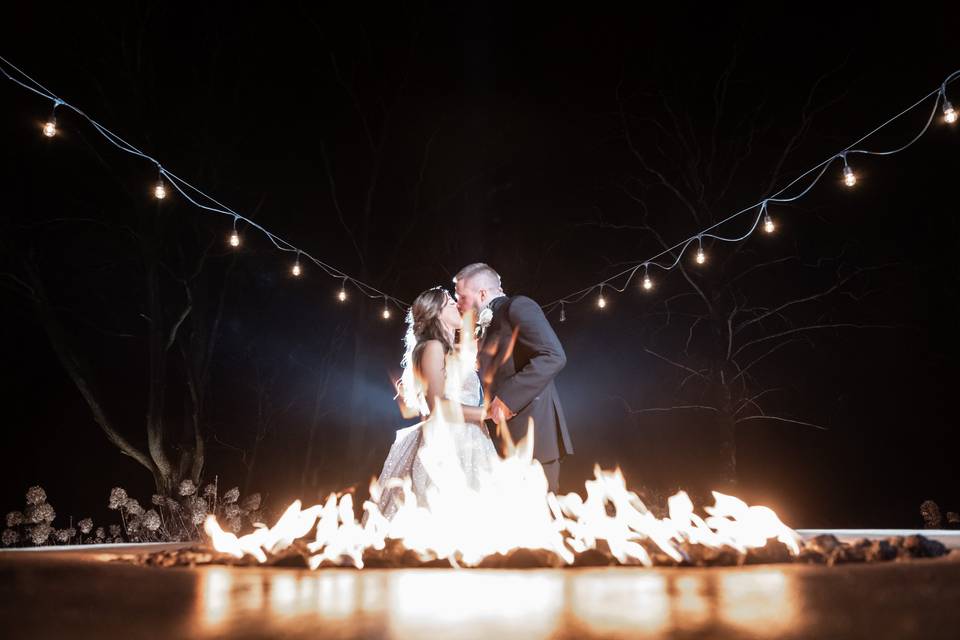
551 469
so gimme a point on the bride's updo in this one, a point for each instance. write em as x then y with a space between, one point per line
423 324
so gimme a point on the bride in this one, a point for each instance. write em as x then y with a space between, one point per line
440 382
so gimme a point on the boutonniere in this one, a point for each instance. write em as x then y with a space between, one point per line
483 321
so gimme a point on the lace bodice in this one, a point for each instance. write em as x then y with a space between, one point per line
461 384
471 393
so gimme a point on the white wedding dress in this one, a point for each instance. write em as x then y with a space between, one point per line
469 445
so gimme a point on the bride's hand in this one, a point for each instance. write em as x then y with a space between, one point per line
500 412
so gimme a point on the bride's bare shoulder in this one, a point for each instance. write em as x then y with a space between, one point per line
430 352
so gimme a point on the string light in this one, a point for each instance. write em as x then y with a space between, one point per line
296 266
190 193
563 314
342 296
159 191
849 177
50 127
796 187
647 283
234 236
949 113
768 225
601 301
206 202
386 310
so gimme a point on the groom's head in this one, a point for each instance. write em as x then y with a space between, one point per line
477 284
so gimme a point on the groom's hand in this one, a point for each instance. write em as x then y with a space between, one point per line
499 412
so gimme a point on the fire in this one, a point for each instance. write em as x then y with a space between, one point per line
512 509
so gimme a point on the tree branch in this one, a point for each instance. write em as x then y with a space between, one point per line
778 418
772 350
695 407
838 325
676 364
809 298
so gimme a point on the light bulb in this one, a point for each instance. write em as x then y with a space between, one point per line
563 314
342 296
50 128
701 257
159 191
849 178
296 269
601 302
768 225
234 239
949 113
647 283
386 313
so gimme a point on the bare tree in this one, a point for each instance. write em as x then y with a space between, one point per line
176 293
187 324
728 319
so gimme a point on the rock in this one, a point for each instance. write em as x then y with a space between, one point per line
811 556
848 553
772 552
701 556
922 547
393 555
437 563
593 558
522 559
880 551
823 544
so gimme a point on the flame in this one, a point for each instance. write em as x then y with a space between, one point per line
511 509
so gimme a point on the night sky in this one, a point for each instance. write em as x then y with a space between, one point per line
496 134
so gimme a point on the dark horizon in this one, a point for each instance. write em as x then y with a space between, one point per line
502 142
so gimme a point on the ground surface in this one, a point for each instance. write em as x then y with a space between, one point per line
82 595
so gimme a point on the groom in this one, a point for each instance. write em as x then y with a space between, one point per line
520 356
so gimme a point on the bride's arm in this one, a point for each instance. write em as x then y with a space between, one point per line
432 363
474 415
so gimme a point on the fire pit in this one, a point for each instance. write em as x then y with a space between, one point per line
512 521
508 560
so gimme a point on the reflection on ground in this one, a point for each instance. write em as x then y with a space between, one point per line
501 604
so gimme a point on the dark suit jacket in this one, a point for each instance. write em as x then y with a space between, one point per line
520 356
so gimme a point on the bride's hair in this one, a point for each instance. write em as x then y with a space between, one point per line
423 324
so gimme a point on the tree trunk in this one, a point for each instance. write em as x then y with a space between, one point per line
728 449
77 371
157 369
